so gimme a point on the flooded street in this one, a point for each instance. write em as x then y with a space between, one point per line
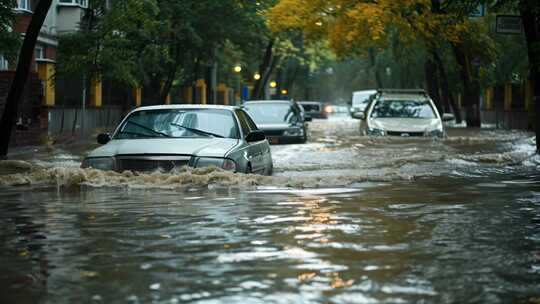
345 219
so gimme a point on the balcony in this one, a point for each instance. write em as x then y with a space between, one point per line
78 3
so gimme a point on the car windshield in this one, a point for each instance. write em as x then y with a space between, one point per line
311 107
176 123
387 108
271 113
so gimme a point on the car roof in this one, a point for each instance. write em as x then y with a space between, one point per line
365 92
403 97
309 102
268 101
415 92
186 106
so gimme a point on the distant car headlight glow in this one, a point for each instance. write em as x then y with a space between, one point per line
376 132
101 163
224 163
294 132
328 109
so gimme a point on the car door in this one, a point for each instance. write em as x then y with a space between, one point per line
264 147
254 152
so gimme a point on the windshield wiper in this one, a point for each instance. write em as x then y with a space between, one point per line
197 131
137 134
149 129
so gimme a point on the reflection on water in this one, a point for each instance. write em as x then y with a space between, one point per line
438 240
464 227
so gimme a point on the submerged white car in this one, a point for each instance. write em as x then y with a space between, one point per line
404 113
162 138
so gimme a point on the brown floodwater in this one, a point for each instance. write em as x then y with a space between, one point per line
344 219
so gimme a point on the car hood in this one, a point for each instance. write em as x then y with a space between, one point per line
280 126
406 124
213 147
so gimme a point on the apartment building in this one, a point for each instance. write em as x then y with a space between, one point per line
64 16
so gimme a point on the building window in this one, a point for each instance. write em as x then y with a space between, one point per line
39 52
24 5
82 3
4 64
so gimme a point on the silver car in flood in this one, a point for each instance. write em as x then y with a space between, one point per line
163 138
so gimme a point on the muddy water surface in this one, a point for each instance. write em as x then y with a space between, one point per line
345 219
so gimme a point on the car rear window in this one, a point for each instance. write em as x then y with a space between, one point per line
311 107
271 113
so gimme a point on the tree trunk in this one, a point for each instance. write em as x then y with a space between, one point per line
291 79
372 61
446 89
280 80
432 81
167 83
21 75
471 91
266 76
166 88
530 18
258 90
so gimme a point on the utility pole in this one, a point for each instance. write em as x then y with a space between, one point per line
83 108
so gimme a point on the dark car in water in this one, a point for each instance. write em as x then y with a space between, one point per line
314 109
282 121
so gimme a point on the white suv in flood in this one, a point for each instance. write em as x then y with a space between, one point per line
404 113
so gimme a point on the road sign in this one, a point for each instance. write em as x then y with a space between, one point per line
479 11
508 24
245 92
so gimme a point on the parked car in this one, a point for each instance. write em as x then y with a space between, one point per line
338 111
281 120
314 109
402 113
360 100
162 138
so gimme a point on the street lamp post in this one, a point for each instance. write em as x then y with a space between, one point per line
273 85
238 70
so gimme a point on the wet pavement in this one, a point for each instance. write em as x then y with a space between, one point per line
344 219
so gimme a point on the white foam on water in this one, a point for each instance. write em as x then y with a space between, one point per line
185 178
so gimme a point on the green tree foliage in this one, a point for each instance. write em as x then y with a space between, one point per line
158 43
10 40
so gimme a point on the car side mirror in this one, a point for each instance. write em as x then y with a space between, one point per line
308 118
448 117
254 136
103 138
358 115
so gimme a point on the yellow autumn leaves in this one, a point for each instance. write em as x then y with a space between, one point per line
351 26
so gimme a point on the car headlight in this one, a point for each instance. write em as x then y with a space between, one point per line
101 163
376 132
294 132
224 163
435 133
